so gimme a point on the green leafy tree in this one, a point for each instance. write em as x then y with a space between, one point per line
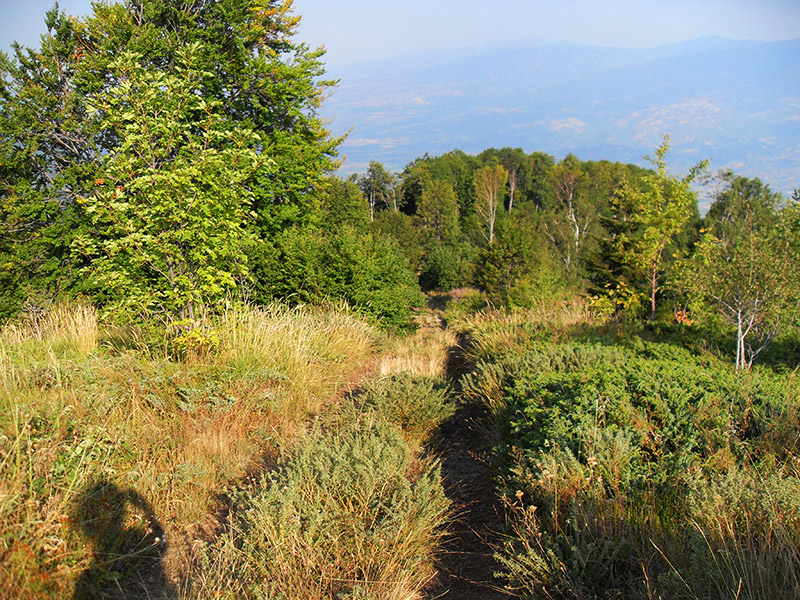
444 264
172 201
516 269
661 206
437 213
342 203
573 213
264 78
456 168
51 147
747 265
365 268
518 165
400 227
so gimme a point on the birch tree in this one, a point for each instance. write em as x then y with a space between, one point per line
747 266
490 184
573 215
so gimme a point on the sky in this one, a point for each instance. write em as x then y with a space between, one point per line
355 31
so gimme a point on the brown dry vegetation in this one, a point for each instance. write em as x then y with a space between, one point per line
83 404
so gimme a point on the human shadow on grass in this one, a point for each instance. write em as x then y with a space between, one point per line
128 543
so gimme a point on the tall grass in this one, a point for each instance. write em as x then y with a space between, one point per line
493 333
425 353
290 345
78 404
355 511
64 329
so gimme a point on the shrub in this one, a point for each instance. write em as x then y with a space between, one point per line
417 404
370 273
352 515
366 270
445 267
640 471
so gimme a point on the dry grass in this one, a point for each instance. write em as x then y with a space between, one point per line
65 329
355 512
77 407
312 351
425 353
494 332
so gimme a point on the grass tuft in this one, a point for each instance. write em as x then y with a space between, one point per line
353 514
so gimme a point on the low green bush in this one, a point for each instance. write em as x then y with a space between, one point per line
353 514
367 270
643 472
445 267
419 404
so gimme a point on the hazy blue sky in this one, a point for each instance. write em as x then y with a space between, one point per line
361 30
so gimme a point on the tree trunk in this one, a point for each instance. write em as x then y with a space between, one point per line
653 287
371 207
739 341
512 185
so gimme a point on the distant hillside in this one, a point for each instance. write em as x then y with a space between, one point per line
735 102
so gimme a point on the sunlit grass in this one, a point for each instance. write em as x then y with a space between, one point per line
80 401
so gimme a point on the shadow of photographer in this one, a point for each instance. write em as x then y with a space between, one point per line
128 542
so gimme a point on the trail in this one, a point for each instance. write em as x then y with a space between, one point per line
466 564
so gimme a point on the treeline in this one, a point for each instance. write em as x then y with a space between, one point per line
527 229
161 159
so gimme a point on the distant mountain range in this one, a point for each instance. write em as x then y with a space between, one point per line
734 102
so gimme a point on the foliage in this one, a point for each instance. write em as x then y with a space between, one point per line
456 168
342 203
378 186
659 210
48 153
369 272
246 70
445 267
172 200
573 215
524 172
419 404
399 227
640 471
746 266
578 201
437 214
516 270
366 270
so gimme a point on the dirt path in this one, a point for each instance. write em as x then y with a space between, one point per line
466 565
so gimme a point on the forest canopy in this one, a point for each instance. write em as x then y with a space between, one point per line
161 159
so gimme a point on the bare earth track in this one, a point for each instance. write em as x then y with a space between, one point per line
466 564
